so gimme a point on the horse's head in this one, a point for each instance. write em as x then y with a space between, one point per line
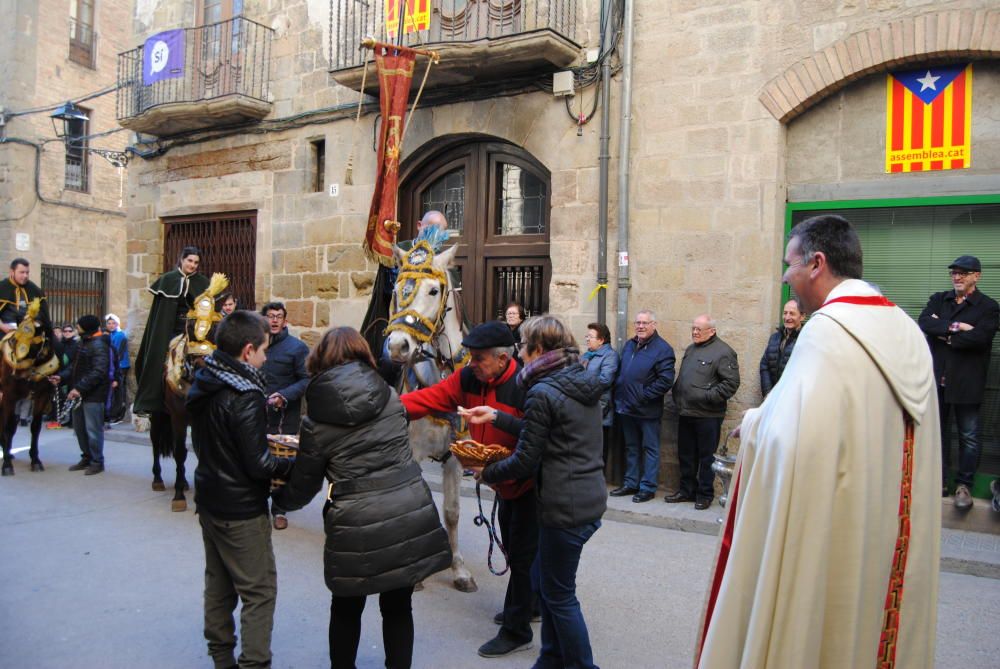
419 300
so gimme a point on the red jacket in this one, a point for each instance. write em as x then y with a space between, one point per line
464 389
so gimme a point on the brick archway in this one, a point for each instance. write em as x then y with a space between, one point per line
933 37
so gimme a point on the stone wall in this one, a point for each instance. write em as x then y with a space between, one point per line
69 228
710 166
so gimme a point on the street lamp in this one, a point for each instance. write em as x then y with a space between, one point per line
69 113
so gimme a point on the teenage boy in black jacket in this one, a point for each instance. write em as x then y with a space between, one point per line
89 382
232 483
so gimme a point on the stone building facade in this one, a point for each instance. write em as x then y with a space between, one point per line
64 210
740 110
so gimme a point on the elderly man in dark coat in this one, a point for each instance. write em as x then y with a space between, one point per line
960 325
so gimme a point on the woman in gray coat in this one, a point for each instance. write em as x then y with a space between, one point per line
602 362
383 534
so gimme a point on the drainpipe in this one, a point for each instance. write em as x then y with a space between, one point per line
624 281
604 159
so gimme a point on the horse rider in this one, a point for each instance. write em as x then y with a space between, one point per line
173 296
15 295
381 300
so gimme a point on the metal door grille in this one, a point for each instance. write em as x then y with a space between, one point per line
228 243
72 292
524 284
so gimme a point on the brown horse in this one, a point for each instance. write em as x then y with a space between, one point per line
28 361
168 428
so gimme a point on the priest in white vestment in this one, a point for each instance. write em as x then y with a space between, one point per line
829 556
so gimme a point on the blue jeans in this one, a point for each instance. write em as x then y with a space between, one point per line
88 424
969 444
565 641
641 434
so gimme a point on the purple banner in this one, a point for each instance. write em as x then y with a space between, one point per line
163 56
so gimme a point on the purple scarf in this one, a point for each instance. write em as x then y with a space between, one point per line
547 363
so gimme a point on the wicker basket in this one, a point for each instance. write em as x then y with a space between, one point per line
282 446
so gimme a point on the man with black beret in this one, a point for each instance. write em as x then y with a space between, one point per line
488 386
960 325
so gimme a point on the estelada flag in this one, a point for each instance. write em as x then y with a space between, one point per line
928 122
395 72
418 16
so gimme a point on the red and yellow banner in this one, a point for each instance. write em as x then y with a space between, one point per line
395 72
418 16
929 119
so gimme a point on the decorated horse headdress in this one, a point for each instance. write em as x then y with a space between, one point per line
26 347
416 266
194 342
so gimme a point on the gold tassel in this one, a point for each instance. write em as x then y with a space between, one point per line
349 173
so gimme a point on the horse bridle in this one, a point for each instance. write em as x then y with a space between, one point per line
418 265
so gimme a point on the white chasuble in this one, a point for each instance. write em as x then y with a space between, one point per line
830 552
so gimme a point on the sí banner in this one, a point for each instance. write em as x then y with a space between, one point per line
163 56
928 122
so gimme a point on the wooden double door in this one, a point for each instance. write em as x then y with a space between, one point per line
496 198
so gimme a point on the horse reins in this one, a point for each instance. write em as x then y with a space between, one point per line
491 530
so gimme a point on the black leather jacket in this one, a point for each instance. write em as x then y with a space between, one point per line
229 433
90 369
561 446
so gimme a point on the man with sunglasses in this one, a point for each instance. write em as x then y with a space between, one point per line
960 325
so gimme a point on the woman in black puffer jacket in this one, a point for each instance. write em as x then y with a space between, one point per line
383 534
560 445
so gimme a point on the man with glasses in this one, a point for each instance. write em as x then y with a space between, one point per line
287 378
709 376
960 325
645 375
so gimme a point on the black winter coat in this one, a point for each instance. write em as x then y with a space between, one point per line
961 359
709 376
90 369
382 528
561 446
229 434
776 355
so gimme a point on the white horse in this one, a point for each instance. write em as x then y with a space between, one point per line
425 332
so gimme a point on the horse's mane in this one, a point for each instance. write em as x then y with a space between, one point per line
434 236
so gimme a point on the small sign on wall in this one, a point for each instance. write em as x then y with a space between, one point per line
22 241
334 190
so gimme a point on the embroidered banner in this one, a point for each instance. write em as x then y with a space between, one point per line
163 56
418 16
395 72
928 122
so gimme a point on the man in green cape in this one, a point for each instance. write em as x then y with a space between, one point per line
15 295
174 294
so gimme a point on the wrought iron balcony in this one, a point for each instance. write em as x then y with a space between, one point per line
478 40
196 78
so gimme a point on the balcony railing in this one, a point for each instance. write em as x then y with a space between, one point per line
451 21
229 58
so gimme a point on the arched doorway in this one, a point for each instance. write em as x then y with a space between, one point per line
496 197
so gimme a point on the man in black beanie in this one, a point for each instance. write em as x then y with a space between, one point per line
90 383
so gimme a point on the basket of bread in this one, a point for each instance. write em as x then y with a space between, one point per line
473 454
282 446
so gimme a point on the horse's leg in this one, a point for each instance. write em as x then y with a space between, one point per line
38 405
178 426
158 422
450 480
